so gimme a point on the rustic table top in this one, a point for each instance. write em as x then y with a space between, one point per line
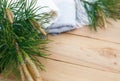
84 55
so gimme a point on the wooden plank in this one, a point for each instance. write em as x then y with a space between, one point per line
85 52
59 71
112 33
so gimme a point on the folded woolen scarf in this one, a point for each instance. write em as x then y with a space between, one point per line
67 19
72 15
69 14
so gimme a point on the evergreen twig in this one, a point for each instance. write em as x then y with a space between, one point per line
19 40
100 10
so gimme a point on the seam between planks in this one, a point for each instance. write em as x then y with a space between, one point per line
93 38
58 60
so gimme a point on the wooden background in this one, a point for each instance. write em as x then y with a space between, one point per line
84 55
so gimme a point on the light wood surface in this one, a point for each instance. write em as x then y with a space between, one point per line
86 52
111 34
83 55
59 71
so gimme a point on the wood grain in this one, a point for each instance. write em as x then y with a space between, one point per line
59 71
85 52
111 34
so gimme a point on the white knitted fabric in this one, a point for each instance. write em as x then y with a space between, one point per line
70 14
67 19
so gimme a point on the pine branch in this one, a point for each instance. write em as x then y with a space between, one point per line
17 34
99 11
